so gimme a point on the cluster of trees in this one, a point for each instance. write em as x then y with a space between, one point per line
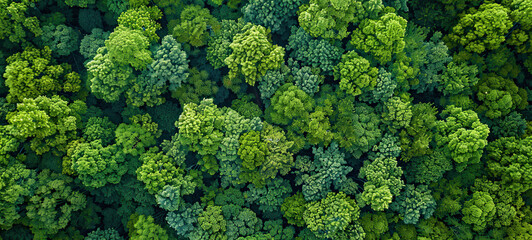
265 119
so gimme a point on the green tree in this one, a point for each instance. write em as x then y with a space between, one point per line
34 73
397 113
293 208
510 160
195 25
276 16
253 54
479 210
108 79
499 95
61 39
482 29
331 215
52 205
136 137
458 78
383 182
414 202
50 122
330 18
17 182
264 154
289 104
462 136
141 20
97 165
16 22
126 46
144 227
355 74
381 38
170 65
313 52
157 171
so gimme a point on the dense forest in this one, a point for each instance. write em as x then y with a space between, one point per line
265 119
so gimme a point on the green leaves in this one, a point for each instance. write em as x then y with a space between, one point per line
383 182
51 122
129 47
381 38
510 159
33 73
157 171
331 215
195 26
253 54
479 210
482 30
330 18
50 208
462 136
97 165
355 74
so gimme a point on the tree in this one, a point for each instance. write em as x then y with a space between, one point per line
499 96
383 182
264 154
330 18
33 73
384 88
184 220
375 224
482 29
218 45
462 136
97 165
253 54
479 210
142 19
196 24
144 227
312 52
109 234
51 206
90 43
357 126
276 16
397 113
158 171
17 182
270 197
414 202
16 22
417 137
170 65
289 104
212 221
293 208
381 38
509 159
108 78
61 39
331 215
458 79
50 122
134 138
200 127
355 74
329 168
126 46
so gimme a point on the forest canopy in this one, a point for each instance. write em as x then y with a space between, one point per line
265 119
